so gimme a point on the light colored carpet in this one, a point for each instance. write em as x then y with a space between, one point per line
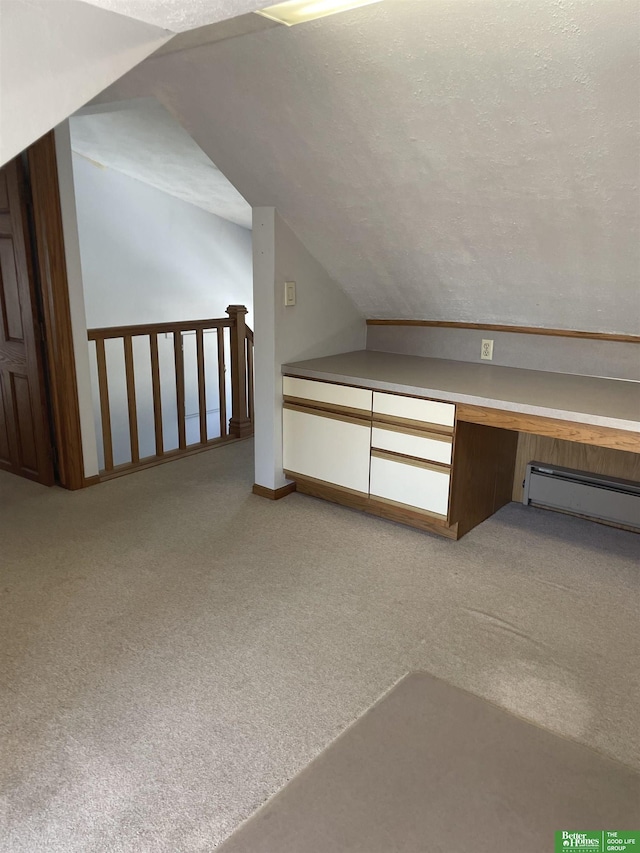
174 649
432 768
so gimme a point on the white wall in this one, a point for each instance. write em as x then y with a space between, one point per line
148 257
56 56
324 321
76 299
611 359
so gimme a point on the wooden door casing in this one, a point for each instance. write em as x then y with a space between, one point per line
25 439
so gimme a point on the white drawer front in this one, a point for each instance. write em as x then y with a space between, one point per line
325 392
326 449
434 449
408 484
429 411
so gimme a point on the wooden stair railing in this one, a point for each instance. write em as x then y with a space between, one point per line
240 424
144 387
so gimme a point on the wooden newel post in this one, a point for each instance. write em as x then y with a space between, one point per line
239 423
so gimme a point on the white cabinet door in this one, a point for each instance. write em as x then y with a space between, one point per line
412 485
327 448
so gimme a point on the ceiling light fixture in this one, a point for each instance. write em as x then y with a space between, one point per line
300 11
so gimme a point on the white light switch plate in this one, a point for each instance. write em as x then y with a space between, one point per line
289 293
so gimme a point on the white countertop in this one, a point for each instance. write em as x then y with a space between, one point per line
583 399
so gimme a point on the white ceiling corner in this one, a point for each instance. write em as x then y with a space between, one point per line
222 31
179 15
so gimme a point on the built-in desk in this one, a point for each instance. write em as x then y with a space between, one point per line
499 417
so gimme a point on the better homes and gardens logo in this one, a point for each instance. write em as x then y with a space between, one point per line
603 841
582 840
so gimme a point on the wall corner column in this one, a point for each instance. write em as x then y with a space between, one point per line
51 184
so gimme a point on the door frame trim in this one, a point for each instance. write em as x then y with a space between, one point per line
58 332
24 351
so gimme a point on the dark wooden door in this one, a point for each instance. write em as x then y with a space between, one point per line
25 438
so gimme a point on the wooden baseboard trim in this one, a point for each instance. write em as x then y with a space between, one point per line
420 520
519 330
91 481
351 494
356 500
169 456
273 494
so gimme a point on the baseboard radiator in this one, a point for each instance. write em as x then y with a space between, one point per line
596 496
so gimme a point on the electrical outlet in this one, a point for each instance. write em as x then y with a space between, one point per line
289 293
486 350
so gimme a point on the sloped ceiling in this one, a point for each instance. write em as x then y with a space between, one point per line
56 56
470 160
142 140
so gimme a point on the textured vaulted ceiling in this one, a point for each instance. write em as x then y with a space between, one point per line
142 140
473 160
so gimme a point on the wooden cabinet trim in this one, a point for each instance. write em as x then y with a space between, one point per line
430 430
417 518
410 424
414 510
326 381
391 456
361 420
318 407
364 387
567 430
